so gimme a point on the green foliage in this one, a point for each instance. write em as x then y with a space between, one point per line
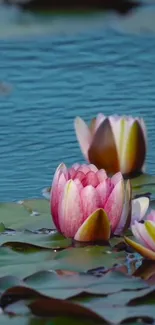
46 279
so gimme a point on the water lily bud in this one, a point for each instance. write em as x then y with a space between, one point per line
114 143
87 205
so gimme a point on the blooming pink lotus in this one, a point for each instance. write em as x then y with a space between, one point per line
145 235
87 205
115 143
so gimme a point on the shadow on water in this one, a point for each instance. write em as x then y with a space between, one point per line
16 22
120 6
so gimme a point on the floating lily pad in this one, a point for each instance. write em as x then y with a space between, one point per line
88 257
38 205
129 297
29 214
143 184
22 265
45 265
63 287
2 227
12 320
27 241
95 309
12 214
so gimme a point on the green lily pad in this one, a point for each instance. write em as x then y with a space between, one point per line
129 297
22 265
27 241
95 310
43 306
9 281
38 205
53 285
29 214
118 314
2 227
31 320
88 257
18 308
11 214
142 184
13 320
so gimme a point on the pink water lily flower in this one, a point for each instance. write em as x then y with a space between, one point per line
87 205
115 143
145 235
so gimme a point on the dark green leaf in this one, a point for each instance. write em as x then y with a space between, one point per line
31 215
56 286
22 265
27 239
88 257
142 184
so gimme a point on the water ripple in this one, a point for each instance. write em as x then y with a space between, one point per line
55 78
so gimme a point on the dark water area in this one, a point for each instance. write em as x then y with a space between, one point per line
57 69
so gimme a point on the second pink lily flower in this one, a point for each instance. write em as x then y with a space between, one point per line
87 205
145 236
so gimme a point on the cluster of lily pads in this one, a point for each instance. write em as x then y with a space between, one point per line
83 265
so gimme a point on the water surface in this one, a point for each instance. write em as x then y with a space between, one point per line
55 76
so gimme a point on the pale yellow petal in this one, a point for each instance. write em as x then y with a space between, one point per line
95 228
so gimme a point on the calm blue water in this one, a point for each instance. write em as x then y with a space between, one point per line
55 76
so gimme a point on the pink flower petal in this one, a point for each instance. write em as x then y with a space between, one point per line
101 174
114 204
70 210
116 178
99 119
55 196
83 135
136 233
79 175
59 180
62 169
143 236
84 168
151 216
143 126
90 201
71 173
90 179
93 168
139 208
79 184
76 166
126 213
104 189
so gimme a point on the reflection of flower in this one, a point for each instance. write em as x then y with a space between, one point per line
114 143
86 203
145 235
